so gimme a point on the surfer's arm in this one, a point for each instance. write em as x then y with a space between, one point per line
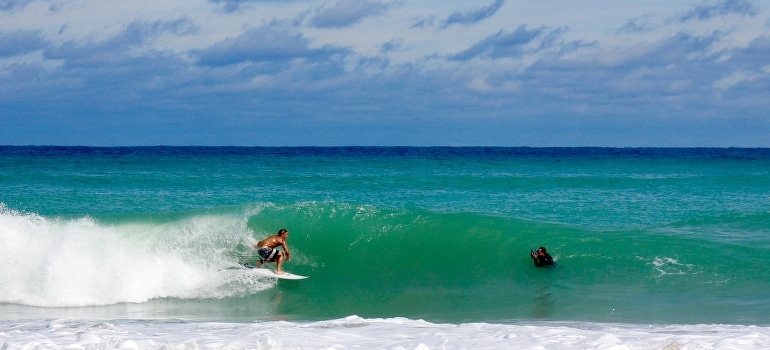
285 249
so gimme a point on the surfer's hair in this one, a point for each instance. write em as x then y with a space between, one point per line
282 231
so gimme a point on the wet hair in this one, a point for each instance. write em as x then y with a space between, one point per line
543 249
282 231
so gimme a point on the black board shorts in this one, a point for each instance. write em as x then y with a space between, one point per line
267 253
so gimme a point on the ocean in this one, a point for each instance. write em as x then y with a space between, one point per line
405 248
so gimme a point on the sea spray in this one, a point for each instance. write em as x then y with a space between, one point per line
57 262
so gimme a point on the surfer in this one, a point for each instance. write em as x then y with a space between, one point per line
267 251
541 257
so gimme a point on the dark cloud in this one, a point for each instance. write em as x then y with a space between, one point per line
114 49
234 5
12 5
391 45
502 44
474 15
751 60
757 52
231 5
423 22
672 77
682 49
347 12
721 8
637 25
20 42
263 44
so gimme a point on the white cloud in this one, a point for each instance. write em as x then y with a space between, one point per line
734 79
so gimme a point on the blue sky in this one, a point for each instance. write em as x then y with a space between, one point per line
621 73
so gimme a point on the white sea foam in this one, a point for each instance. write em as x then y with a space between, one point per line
671 266
53 262
358 333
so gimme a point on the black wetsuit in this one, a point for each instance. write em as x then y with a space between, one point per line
543 260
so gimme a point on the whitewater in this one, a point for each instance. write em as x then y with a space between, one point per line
357 333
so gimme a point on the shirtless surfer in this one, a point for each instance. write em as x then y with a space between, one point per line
267 251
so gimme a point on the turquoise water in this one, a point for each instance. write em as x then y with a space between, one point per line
442 234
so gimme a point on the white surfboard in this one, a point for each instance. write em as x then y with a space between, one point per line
270 273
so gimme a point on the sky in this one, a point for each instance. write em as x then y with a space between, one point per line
617 73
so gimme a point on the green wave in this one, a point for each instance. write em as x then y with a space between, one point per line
386 262
376 261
